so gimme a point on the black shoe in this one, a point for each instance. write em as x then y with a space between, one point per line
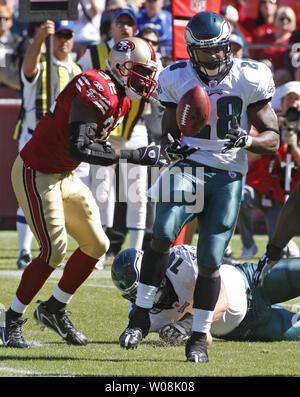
196 349
11 334
138 328
59 323
24 259
130 338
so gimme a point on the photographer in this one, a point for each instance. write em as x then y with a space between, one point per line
268 184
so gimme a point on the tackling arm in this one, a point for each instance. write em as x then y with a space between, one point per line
82 134
84 146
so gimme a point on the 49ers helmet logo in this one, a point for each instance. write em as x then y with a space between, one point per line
124 45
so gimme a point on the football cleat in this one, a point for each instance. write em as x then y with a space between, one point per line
196 349
130 338
59 323
11 334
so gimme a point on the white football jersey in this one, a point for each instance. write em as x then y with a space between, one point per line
183 273
247 82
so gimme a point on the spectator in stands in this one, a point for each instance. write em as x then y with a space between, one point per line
87 26
154 15
253 28
285 23
9 42
264 187
231 14
291 56
111 7
34 100
236 46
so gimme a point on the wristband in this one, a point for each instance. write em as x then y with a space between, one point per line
248 142
132 156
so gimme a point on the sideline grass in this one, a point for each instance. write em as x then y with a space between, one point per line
99 312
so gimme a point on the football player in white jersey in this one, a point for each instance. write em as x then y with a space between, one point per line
209 180
241 313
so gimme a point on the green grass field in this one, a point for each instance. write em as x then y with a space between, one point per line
101 314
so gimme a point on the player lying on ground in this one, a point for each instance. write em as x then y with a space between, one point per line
243 313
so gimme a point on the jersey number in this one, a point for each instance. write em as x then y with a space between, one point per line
174 266
226 108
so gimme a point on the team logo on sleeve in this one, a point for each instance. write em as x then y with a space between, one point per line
124 45
90 93
98 86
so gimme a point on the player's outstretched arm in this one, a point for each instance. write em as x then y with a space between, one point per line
85 147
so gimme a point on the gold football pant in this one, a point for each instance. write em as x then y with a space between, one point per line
57 204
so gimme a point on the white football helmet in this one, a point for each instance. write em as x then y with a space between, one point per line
132 61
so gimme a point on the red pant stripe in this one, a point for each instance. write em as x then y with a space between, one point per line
36 210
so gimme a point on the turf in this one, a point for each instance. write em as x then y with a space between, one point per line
99 311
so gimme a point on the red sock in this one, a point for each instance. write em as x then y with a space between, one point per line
33 278
76 271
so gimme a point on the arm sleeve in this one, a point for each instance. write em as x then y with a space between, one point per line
84 147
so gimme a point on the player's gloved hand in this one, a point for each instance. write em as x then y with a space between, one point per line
146 155
177 333
236 137
174 334
173 150
265 264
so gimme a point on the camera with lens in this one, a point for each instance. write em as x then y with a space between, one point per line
292 117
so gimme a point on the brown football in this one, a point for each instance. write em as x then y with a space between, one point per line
193 111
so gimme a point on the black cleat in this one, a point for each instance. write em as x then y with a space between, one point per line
59 323
11 334
196 349
130 338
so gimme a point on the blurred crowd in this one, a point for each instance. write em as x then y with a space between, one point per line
272 36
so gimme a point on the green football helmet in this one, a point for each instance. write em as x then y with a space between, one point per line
207 39
125 272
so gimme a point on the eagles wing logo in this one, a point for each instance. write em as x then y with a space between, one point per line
124 45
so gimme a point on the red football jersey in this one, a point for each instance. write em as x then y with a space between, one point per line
48 149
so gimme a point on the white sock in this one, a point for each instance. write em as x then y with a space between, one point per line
202 320
145 295
62 296
18 306
25 236
136 238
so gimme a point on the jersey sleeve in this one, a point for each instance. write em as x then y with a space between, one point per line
261 80
166 86
92 88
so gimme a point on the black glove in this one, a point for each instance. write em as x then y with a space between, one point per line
174 151
265 264
177 333
236 136
146 155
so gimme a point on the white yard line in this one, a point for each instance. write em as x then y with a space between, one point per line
30 373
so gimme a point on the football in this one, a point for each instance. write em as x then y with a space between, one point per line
193 111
